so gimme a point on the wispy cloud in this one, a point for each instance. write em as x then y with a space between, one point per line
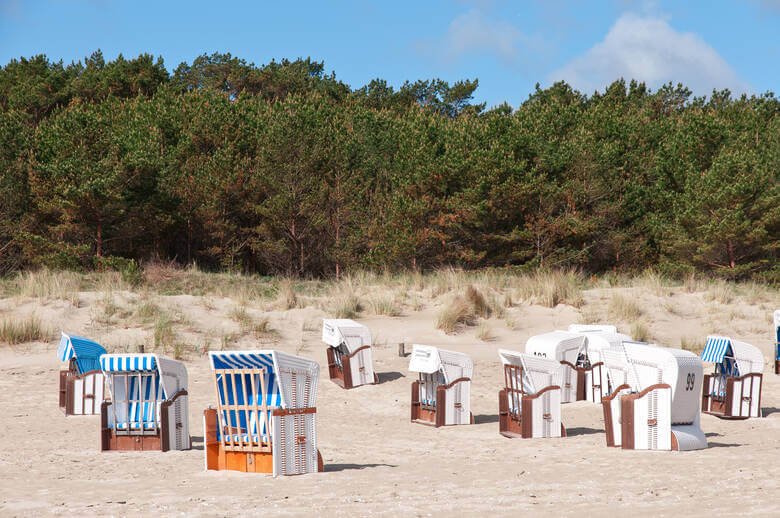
649 49
474 33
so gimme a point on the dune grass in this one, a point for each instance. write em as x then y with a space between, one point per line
26 329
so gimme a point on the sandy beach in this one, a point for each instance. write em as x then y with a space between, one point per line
376 461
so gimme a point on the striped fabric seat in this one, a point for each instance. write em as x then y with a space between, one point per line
137 391
85 352
238 420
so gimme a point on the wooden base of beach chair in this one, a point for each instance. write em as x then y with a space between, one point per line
219 459
512 427
341 375
81 394
612 422
740 400
777 366
433 415
156 441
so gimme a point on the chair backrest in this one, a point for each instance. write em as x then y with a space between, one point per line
250 385
136 389
351 335
558 345
84 353
681 370
450 365
529 374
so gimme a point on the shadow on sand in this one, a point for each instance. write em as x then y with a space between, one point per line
342 467
384 377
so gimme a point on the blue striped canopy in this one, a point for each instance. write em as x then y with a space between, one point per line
715 349
86 352
228 396
128 362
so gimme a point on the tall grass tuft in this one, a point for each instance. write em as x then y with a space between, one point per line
640 331
384 305
624 308
720 291
550 288
46 285
479 305
458 311
28 329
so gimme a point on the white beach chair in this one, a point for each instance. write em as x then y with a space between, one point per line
266 419
733 390
442 394
82 384
661 412
529 405
350 362
149 407
599 337
571 350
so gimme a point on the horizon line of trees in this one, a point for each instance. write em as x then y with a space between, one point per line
282 168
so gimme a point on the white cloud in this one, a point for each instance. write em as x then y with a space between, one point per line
473 32
649 49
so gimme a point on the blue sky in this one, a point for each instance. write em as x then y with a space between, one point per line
508 45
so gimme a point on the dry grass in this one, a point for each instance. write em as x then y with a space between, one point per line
345 306
46 285
384 305
640 331
694 344
479 305
623 308
286 298
654 282
484 332
589 314
458 311
550 288
720 291
19 331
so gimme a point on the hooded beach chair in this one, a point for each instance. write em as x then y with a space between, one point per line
266 419
600 337
733 390
655 402
350 363
777 341
582 379
529 405
149 407
442 394
82 383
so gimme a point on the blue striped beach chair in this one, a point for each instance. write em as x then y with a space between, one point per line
733 390
149 406
82 383
266 419
529 405
442 394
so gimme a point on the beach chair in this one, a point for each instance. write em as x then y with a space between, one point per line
619 374
82 383
599 338
442 394
350 362
149 406
266 419
733 390
529 405
658 401
582 380
777 341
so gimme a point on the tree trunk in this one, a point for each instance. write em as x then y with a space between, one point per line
99 237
